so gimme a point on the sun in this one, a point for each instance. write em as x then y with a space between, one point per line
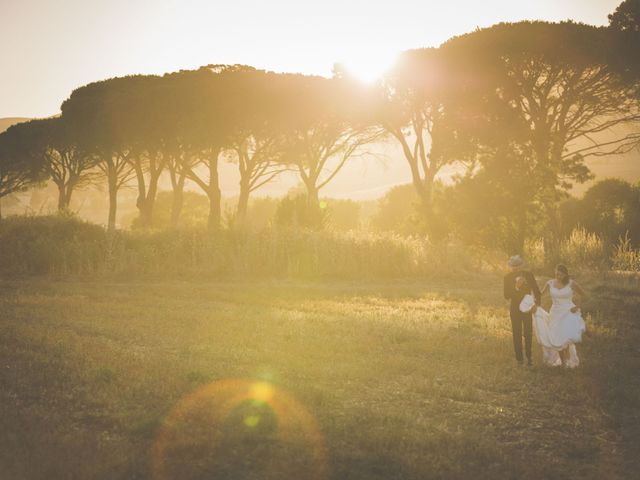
368 68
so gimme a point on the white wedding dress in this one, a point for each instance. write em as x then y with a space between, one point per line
559 328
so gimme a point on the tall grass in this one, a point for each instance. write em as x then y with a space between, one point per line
625 257
66 245
534 254
584 250
59 244
581 250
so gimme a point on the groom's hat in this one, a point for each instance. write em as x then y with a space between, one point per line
515 261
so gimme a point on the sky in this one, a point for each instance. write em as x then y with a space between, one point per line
50 47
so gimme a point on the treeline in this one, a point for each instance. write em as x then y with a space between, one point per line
520 106
609 211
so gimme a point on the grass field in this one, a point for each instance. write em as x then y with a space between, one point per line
395 380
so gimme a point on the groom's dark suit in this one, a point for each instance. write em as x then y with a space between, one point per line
520 321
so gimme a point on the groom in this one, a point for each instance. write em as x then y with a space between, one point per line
520 321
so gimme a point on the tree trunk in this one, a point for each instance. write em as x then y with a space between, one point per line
521 234
62 204
146 197
551 239
145 213
214 193
214 212
425 192
113 200
243 201
178 199
423 186
313 196
151 199
142 191
313 204
67 198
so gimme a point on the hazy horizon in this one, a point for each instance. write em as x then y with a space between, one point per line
52 48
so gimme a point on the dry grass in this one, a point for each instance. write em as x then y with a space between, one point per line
63 245
401 380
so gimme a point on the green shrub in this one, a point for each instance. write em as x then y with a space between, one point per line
580 250
584 250
297 211
626 258
59 244
66 245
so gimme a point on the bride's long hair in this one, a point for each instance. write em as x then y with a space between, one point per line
565 272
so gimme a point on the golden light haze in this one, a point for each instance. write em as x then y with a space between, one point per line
49 48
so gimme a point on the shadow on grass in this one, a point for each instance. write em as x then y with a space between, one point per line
613 362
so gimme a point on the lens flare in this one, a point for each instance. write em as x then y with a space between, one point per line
239 428
262 391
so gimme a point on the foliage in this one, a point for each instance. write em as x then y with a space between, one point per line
625 257
342 215
495 206
624 25
609 209
544 92
58 245
398 211
66 245
21 168
626 16
570 212
295 210
185 123
299 211
261 212
581 250
412 109
195 209
328 122
57 149
584 251
520 105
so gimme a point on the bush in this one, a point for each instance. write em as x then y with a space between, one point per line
580 250
611 209
397 211
59 244
342 214
297 211
584 250
66 245
625 258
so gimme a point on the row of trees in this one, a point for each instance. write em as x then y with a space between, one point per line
520 105
137 128
610 209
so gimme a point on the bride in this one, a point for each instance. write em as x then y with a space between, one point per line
561 328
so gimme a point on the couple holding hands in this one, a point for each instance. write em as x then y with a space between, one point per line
559 329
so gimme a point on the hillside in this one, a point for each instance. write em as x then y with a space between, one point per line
7 122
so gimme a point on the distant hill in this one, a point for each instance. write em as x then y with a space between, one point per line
7 122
